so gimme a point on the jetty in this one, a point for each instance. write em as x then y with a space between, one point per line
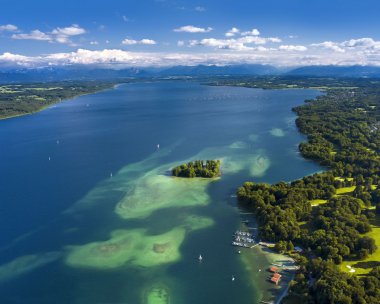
267 244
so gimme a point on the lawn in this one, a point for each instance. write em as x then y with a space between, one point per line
365 266
343 178
317 202
345 190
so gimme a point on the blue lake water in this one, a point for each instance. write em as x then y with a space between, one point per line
89 214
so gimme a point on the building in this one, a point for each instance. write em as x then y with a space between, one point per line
276 278
273 269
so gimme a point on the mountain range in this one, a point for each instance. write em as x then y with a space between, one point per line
93 73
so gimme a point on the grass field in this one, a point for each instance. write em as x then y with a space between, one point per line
345 190
343 178
317 202
365 266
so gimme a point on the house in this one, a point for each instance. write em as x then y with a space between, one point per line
276 278
273 269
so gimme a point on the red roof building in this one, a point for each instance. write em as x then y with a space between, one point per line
273 269
276 278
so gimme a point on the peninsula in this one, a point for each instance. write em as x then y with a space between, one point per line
27 98
332 216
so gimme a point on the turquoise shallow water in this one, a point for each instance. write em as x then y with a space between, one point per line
103 222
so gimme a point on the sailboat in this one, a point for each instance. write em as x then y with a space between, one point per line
200 258
158 146
233 278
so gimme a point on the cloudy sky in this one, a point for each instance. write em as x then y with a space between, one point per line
124 33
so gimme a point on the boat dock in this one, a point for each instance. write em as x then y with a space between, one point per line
243 239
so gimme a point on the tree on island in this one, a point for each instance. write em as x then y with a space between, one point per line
198 168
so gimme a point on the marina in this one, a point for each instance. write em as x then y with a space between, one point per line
243 239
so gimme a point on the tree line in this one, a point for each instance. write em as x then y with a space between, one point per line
343 134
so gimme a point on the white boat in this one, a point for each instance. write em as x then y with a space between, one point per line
233 278
158 146
200 258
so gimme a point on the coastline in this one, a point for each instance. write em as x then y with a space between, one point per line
275 295
114 86
258 260
268 291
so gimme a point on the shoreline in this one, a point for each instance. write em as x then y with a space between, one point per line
59 101
258 260
253 259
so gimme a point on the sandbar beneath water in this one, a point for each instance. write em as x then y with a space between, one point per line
26 263
135 247
277 132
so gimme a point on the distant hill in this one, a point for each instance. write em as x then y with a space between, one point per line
96 73
86 73
336 71
243 69
62 74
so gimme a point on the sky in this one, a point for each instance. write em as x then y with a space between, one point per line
141 33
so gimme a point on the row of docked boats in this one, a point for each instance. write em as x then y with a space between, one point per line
243 239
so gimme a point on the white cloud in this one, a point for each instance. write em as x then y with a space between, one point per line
258 40
107 41
147 41
329 45
9 57
8 28
291 48
129 41
33 35
72 30
232 32
366 43
246 49
199 9
253 32
59 35
193 29
142 41
239 44
94 42
180 43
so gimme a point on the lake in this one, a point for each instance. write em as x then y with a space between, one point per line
90 214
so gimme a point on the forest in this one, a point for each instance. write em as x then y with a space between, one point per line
198 168
330 214
21 99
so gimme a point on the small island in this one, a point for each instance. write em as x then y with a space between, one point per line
198 168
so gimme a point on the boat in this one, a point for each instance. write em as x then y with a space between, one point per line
200 258
233 278
158 146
